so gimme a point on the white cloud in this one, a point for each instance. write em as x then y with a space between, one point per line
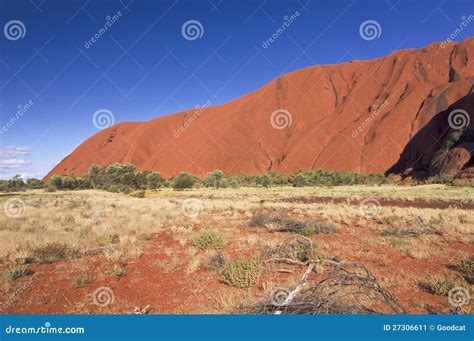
13 159
14 162
10 152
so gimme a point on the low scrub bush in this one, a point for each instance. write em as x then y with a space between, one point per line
80 281
17 271
55 251
183 180
442 285
466 269
209 240
138 194
242 273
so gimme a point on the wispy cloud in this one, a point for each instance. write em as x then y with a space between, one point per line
12 152
14 159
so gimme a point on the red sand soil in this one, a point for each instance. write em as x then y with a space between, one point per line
175 292
393 100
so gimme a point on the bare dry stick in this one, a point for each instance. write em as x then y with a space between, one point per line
297 289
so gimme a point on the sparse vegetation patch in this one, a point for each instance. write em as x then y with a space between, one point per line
209 240
242 273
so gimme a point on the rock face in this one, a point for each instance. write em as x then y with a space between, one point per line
382 115
452 162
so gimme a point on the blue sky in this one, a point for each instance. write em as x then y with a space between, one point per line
143 66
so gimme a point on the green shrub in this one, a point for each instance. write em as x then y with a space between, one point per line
242 273
55 251
466 268
96 176
17 272
215 179
299 180
34 183
138 194
260 219
442 285
264 180
183 180
316 227
56 181
154 180
80 281
50 188
209 240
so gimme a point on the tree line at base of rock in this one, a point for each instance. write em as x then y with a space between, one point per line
124 178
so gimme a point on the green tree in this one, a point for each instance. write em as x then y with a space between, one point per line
214 179
95 176
34 183
154 180
16 184
121 174
140 179
56 181
68 182
264 180
183 180
299 180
